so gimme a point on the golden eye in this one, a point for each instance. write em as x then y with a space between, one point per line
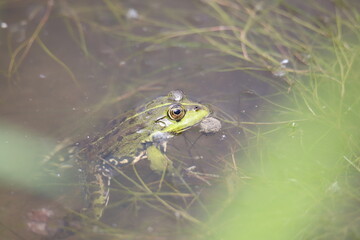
176 112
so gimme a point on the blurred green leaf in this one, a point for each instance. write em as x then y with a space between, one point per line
20 155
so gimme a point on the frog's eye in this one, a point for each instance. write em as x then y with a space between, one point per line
176 112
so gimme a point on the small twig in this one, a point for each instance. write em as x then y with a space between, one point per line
27 45
199 175
233 159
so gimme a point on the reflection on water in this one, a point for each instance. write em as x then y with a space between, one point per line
68 67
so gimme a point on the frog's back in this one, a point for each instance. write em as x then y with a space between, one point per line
124 137
120 138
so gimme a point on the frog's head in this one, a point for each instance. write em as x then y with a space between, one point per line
179 113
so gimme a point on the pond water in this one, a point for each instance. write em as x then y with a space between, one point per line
68 67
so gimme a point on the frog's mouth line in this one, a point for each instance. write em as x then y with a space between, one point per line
186 128
179 131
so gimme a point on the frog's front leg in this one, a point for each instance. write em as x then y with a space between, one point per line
98 184
159 162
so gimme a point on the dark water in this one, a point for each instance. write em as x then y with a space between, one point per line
98 63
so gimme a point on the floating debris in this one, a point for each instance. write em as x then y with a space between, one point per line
281 70
334 187
210 125
38 219
284 62
132 14
3 25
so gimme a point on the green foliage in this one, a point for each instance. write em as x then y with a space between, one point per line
19 155
301 175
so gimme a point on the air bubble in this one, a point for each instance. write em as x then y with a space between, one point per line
281 70
132 14
4 25
223 137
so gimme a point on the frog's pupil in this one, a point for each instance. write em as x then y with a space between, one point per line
177 111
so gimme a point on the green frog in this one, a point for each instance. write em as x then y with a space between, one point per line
141 134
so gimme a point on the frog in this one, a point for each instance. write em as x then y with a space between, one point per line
139 134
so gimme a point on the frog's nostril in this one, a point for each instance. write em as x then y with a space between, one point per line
197 108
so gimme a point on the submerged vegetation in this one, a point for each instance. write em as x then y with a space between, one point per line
303 164
291 173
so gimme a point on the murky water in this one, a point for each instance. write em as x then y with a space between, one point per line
93 60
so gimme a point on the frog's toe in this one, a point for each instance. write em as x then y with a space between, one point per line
108 166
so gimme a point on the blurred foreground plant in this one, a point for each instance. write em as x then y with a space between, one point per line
302 174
